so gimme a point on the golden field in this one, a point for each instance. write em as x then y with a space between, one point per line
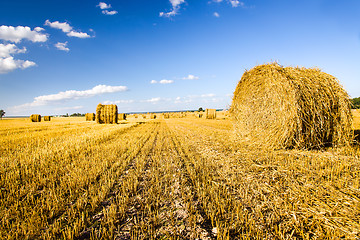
173 178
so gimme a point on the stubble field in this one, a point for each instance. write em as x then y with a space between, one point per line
177 178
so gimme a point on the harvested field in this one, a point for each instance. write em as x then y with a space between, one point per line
176 178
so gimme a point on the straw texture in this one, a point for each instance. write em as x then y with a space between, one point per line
285 107
210 113
106 114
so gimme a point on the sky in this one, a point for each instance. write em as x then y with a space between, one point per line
63 56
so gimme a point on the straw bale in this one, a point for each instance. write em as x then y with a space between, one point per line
106 114
90 116
152 116
210 113
121 116
35 118
47 118
290 107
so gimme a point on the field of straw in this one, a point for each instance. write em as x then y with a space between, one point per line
169 178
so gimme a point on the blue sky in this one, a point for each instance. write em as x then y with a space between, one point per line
60 57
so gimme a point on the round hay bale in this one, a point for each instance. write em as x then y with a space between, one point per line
90 116
285 107
47 118
106 114
210 113
35 118
121 116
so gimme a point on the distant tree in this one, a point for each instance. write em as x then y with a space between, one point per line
201 109
355 103
2 113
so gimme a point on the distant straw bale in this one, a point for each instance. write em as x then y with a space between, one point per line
152 116
198 114
47 118
121 116
90 116
35 118
106 114
210 113
286 107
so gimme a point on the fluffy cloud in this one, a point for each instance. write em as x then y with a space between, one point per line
103 5
216 14
9 49
10 64
7 61
153 100
78 34
164 81
234 3
191 77
119 102
106 12
62 46
70 95
16 34
66 28
175 8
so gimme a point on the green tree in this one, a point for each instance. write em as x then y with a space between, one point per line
2 113
201 109
355 103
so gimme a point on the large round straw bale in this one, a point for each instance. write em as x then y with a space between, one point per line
287 107
35 118
106 114
47 118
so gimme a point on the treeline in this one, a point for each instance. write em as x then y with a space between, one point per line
74 115
355 103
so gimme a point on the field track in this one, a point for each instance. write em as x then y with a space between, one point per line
169 179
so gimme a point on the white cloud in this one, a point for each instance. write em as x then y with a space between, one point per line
10 64
236 3
106 12
175 8
153 100
66 28
207 95
164 81
119 102
39 29
78 34
216 14
9 49
62 46
191 77
70 95
103 5
7 61
16 34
